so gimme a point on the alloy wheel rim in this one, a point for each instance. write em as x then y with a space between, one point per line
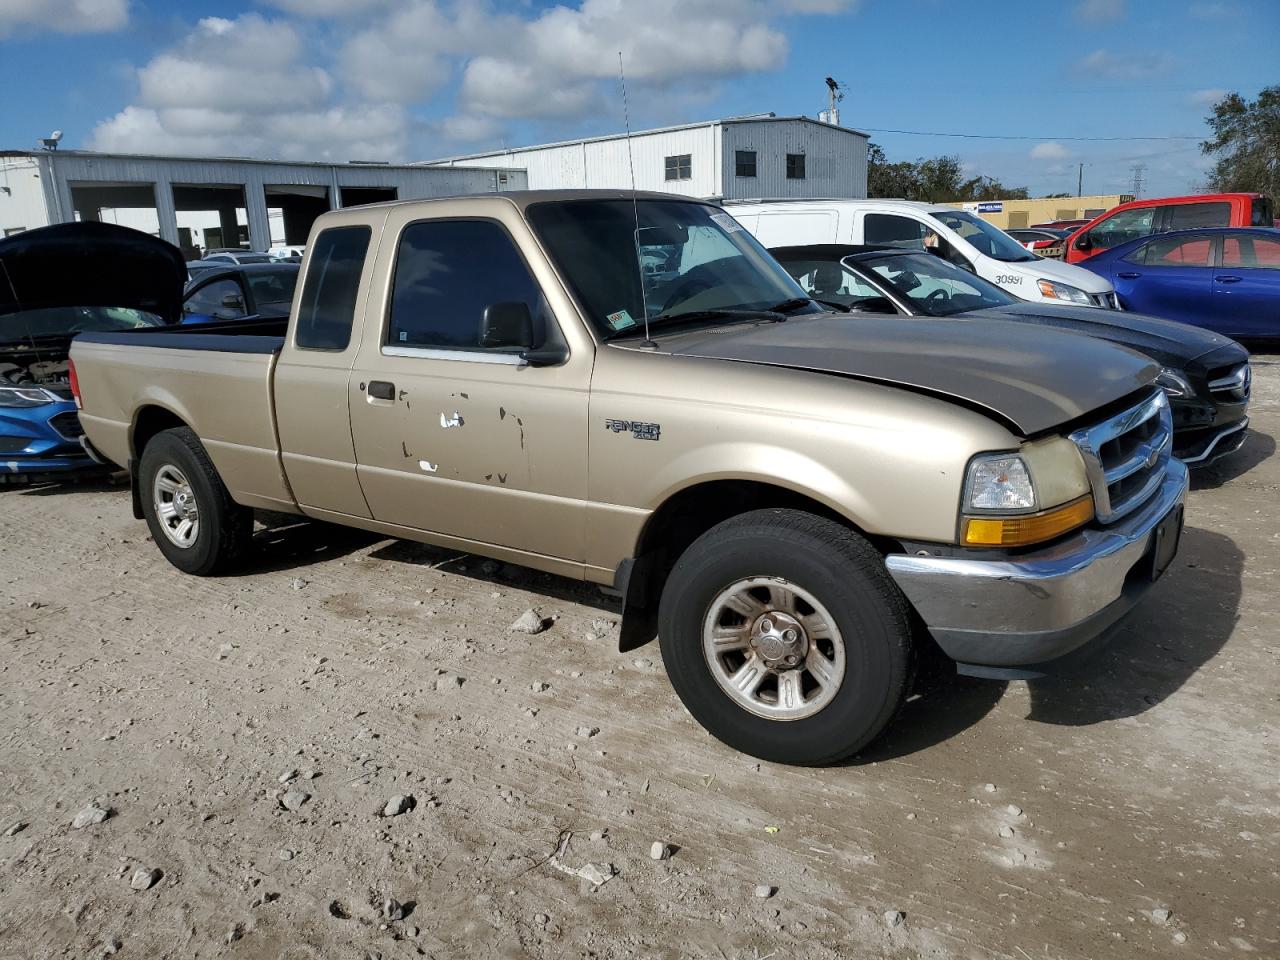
773 648
176 507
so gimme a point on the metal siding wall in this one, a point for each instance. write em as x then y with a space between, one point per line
25 204
604 164
835 160
411 183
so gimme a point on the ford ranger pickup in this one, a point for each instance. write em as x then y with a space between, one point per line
628 389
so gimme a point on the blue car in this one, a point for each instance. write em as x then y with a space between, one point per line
1226 279
113 271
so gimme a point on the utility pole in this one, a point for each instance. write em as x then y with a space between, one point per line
1080 182
1139 169
834 95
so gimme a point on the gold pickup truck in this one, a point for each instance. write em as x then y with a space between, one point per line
630 390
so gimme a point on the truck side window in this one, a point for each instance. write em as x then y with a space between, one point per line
447 272
329 294
883 229
1194 216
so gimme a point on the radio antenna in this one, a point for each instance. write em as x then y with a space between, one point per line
635 205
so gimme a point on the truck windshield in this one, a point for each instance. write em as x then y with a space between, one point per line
695 261
56 322
933 286
983 237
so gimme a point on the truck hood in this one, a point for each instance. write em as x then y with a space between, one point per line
1173 344
1049 269
91 265
1027 377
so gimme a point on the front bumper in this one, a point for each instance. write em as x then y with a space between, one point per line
1199 448
1015 617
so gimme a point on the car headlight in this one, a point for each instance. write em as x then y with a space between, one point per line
999 482
25 397
1174 384
1001 498
1056 290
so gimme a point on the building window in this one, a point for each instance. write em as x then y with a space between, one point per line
679 167
795 166
745 163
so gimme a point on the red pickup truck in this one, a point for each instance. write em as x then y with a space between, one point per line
1139 218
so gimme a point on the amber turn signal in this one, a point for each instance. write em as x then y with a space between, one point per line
1024 530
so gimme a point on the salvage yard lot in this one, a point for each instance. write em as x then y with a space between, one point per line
1054 819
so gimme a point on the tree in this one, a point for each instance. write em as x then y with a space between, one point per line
1056 196
1246 143
935 180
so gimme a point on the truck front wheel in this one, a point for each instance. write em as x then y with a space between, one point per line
193 520
785 637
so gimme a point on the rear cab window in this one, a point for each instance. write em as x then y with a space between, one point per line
328 305
1194 216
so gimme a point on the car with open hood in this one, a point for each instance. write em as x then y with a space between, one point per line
1205 375
55 283
628 389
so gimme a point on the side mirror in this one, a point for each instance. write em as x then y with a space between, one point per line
1084 242
233 301
507 324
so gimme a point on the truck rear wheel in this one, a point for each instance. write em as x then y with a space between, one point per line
785 637
193 520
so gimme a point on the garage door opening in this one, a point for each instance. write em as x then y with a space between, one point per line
358 196
210 218
291 209
128 204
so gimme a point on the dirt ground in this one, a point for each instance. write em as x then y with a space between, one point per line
1038 821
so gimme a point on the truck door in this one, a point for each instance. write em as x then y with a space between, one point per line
456 438
313 372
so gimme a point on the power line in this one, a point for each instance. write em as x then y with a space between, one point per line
1000 136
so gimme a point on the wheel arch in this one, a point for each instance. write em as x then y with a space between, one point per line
686 514
149 420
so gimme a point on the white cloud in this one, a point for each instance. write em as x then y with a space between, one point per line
240 88
1207 97
1049 151
355 77
1100 11
63 16
1103 63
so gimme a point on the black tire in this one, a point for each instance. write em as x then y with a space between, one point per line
841 570
225 527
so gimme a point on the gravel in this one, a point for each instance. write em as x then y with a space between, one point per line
294 799
529 622
397 805
894 918
659 851
144 878
764 891
90 815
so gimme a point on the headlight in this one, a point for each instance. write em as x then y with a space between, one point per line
25 397
1001 496
1174 384
1056 290
1000 482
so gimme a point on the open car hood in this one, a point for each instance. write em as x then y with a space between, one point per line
91 265
1028 377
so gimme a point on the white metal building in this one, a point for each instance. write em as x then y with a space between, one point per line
178 198
733 159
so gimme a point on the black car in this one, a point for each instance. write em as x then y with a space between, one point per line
252 290
1205 375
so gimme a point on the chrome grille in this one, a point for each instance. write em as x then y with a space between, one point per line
1126 456
1232 384
1108 301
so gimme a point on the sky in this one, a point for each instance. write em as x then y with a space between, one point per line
406 80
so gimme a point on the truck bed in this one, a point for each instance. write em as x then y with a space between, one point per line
214 378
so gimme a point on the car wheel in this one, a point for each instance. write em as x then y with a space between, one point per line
192 518
785 637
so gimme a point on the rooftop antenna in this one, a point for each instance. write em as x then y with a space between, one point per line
635 206
51 141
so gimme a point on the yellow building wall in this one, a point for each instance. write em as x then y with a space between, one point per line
1023 213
